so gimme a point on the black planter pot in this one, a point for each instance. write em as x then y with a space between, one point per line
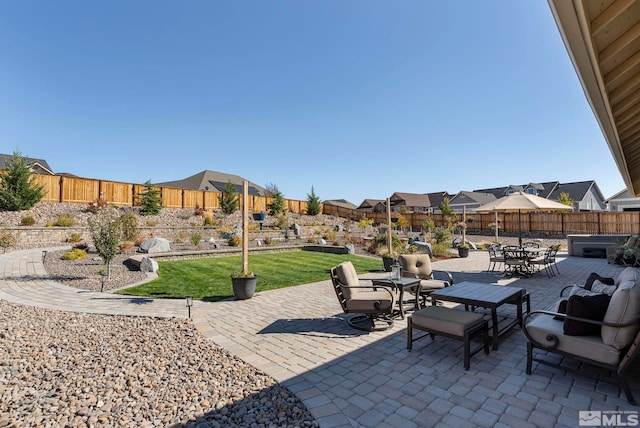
387 262
463 252
243 288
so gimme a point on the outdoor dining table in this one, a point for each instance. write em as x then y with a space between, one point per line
490 296
523 256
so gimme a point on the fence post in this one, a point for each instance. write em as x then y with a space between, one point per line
61 198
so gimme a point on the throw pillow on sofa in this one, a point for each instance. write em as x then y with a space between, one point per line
593 277
589 307
596 288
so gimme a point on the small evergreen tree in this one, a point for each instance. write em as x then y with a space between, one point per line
105 229
277 206
18 187
565 199
445 208
449 213
229 199
313 203
149 200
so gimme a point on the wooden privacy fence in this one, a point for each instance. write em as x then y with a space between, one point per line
76 190
556 223
84 190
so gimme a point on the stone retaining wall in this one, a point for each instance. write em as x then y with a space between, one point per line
35 237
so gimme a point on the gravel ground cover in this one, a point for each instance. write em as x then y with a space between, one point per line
68 369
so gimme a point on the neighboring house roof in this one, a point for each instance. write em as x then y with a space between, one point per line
411 199
436 198
542 189
38 165
468 198
623 194
577 191
343 203
369 203
214 182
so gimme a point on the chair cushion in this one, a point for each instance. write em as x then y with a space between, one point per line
591 347
417 264
348 276
366 302
589 307
623 308
429 285
445 320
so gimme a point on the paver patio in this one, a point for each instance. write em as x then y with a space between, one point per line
347 377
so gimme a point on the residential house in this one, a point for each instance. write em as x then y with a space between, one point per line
539 189
373 205
436 199
214 182
410 202
342 203
623 201
467 201
586 195
39 166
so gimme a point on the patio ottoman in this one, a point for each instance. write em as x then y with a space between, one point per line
452 323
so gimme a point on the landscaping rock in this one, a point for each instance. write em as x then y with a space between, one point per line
155 245
148 265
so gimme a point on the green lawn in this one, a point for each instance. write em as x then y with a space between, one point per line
209 279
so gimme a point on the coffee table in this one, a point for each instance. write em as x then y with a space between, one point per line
491 296
401 283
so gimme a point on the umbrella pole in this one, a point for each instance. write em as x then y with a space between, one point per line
496 223
520 229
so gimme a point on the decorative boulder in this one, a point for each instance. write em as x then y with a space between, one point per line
155 245
351 249
148 265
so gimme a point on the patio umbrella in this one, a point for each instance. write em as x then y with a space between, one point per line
521 202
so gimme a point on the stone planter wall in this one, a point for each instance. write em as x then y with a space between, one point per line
40 237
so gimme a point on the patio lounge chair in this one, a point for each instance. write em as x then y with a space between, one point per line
596 329
419 266
374 303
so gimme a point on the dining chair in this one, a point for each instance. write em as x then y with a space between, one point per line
552 258
543 261
516 261
495 257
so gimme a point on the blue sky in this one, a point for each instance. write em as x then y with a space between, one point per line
358 99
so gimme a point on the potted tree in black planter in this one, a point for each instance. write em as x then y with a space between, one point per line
244 284
244 281
463 249
387 261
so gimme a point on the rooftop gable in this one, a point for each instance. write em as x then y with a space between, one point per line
411 199
38 165
214 182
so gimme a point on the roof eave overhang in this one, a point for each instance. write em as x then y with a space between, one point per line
574 28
